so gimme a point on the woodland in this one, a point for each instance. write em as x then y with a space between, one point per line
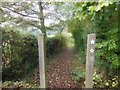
65 26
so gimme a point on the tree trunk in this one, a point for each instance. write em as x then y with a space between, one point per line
42 19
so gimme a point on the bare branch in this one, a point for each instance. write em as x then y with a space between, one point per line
33 24
20 13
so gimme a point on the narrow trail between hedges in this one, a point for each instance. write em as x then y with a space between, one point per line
58 75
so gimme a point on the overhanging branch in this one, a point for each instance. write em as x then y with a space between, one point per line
20 13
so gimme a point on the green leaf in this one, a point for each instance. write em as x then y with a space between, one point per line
92 8
97 8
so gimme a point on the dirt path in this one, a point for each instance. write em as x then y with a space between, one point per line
58 75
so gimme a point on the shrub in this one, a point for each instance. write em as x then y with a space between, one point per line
99 82
55 44
79 75
19 53
105 25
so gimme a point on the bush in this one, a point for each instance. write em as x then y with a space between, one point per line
20 53
99 82
105 25
55 44
79 31
79 75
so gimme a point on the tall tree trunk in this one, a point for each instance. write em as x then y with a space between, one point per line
42 19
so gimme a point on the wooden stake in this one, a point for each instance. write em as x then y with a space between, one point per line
0 58
90 60
41 60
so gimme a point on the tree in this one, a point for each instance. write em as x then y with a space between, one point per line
102 15
35 14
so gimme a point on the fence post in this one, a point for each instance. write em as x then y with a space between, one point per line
90 60
1 15
0 58
41 60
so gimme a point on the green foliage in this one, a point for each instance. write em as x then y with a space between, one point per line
75 29
62 41
81 57
100 18
89 9
17 84
50 47
79 75
20 53
55 44
80 30
99 82
107 41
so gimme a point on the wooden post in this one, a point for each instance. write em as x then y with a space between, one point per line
41 60
1 15
0 58
90 60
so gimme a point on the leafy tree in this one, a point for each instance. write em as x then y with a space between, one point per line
102 17
107 38
35 14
